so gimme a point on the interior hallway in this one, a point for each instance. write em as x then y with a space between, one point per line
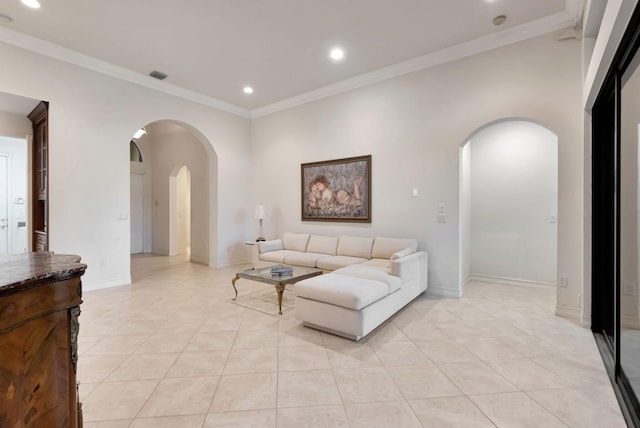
171 350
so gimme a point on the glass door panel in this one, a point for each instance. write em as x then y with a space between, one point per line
629 314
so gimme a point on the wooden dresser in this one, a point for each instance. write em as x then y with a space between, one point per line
40 296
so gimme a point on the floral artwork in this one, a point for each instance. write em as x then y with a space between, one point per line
337 190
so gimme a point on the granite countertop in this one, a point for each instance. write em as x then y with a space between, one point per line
23 270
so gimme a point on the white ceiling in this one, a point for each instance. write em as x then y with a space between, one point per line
213 48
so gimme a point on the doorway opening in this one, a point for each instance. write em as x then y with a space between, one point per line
173 192
13 196
508 204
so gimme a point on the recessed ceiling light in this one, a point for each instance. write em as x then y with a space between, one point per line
247 90
33 4
336 54
5 19
499 20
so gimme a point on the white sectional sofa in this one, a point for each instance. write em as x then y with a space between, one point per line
369 279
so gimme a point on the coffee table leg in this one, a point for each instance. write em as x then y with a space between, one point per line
280 289
233 282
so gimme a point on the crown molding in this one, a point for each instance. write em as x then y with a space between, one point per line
60 53
519 33
535 28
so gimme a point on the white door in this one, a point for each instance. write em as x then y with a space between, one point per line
4 208
137 213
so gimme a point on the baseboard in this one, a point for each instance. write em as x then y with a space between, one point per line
230 263
629 321
99 285
443 292
569 312
586 321
509 281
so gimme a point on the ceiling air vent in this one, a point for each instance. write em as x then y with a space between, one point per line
157 75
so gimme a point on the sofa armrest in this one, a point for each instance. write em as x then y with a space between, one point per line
272 245
410 267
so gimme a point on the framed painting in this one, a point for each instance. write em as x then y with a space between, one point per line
337 190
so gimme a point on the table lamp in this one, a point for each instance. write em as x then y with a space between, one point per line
260 216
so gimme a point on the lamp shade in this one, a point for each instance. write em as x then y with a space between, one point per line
260 212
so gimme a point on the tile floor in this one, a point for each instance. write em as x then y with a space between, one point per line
172 351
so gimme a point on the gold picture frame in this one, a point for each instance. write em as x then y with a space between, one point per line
337 190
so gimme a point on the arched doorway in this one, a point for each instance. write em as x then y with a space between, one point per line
179 169
508 204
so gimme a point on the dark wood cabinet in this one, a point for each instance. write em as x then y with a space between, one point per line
40 297
40 167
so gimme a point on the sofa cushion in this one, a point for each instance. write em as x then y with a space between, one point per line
380 264
277 256
295 241
272 245
323 244
337 262
304 259
353 246
342 290
383 248
369 272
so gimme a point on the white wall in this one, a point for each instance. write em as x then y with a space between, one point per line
92 119
14 125
413 126
16 149
514 175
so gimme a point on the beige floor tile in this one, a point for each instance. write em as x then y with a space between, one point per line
193 364
422 330
85 389
190 421
313 417
489 348
303 358
582 407
527 375
363 385
449 412
182 396
122 423
425 381
96 368
530 346
576 371
245 361
245 392
164 343
135 327
256 339
353 354
399 354
211 341
118 345
476 378
516 409
307 388
445 351
141 367
397 414
85 343
293 333
246 419
117 400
